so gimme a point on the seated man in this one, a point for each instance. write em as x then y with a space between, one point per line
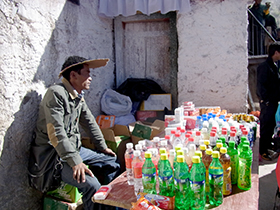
61 111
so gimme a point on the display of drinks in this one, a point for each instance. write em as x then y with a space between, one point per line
225 161
197 185
165 175
128 156
207 159
233 153
149 174
137 164
182 184
244 181
215 180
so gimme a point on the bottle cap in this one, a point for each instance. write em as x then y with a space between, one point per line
129 145
231 144
224 129
138 147
178 148
191 139
224 132
232 134
215 154
202 147
232 128
209 151
245 147
245 132
156 139
173 131
219 141
197 133
243 138
206 142
164 156
172 152
214 128
186 150
167 137
180 159
179 152
187 135
198 153
198 117
196 159
162 150
247 142
136 153
212 134
219 145
192 147
223 139
177 134
223 150
163 142
178 128
148 154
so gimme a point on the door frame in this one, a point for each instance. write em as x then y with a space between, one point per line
119 24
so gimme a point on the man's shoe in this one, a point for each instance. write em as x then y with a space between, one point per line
266 157
273 155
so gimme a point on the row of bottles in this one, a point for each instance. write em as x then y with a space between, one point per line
206 179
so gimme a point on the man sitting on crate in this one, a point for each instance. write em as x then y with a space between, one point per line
61 111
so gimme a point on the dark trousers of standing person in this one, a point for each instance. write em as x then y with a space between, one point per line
100 164
267 125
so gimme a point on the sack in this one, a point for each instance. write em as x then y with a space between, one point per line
44 168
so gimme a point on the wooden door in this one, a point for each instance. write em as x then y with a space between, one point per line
146 47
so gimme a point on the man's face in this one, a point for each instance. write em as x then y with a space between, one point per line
82 81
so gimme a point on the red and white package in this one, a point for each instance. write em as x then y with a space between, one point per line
102 193
160 201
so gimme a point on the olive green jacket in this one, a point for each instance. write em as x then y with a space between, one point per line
60 113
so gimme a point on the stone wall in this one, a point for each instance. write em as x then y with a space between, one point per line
36 37
212 56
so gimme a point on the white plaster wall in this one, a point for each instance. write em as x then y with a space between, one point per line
35 39
212 55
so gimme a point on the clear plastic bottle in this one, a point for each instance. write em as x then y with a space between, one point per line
204 134
198 123
215 180
137 164
192 149
197 185
233 153
156 142
201 164
224 134
164 144
177 140
143 143
232 137
139 148
187 136
225 161
182 185
187 156
128 163
155 157
149 174
213 139
244 181
171 158
165 174
197 138
207 159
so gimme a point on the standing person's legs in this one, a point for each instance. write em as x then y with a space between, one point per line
87 188
267 125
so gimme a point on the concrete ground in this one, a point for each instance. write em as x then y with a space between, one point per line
267 184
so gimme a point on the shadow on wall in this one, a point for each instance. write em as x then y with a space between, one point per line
15 191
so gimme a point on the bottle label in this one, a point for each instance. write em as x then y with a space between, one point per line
244 173
227 187
128 162
197 186
181 184
233 165
148 177
137 170
216 179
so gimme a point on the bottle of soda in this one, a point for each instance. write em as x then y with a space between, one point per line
201 164
202 148
197 138
216 180
233 153
225 161
212 139
207 159
161 151
240 146
177 140
149 174
223 139
178 152
165 175
197 185
244 181
137 164
182 184
128 160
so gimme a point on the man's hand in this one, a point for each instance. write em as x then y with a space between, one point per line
109 152
79 172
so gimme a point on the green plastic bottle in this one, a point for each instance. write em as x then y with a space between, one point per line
182 184
149 174
248 143
225 161
197 185
165 175
161 151
223 139
244 181
201 164
240 146
178 152
233 153
216 180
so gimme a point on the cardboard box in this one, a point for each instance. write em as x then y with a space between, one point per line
105 121
157 102
52 203
144 130
66 193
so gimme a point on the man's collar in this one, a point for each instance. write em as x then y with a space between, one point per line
73 93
